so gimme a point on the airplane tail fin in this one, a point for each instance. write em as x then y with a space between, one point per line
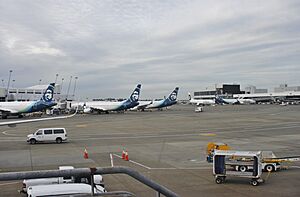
190 97
134 97
48 94
173 95
219 100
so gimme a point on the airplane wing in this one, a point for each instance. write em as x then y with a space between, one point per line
98 108
14 123
144 104
8 110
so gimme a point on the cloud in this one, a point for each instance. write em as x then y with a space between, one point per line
113 45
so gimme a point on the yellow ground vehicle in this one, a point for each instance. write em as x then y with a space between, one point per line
212 146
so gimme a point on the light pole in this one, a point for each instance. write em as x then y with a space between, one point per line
13 83
56 78
40 81
3 83
69 87
6 97
61 85
74 87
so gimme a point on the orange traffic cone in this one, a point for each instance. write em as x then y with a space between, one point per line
85 154
126 156
123 154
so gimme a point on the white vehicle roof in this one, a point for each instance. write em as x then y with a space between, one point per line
51 128
66 167
61 189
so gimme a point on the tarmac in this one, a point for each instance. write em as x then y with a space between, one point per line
167 146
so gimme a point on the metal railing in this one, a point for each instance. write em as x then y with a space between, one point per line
84 172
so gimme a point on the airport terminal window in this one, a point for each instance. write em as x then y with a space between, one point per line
47 132
57 131
40 132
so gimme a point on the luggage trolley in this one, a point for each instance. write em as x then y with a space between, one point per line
224 160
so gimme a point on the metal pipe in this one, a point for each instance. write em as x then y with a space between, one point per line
84 172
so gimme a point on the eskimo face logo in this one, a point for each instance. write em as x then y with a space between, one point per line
48 95
135 96
173 96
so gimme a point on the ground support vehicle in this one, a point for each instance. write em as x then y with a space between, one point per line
211 147
57 135
222 165
72 189
270 163
98 180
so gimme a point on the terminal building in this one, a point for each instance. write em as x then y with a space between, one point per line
31 93
227 90
253 90
286 88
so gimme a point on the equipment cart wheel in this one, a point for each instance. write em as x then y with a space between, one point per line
243 168
269 168
220 180
254 182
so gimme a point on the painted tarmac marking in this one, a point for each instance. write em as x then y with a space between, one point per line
149 168
81 125
295 167
8 134
11 183
139 164
208 134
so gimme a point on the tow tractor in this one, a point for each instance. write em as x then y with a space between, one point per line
222 165
270 162
211 147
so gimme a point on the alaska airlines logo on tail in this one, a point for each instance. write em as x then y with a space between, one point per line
135 96
173 96
49 95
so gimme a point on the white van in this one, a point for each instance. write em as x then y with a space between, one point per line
71 189
98 180
47 135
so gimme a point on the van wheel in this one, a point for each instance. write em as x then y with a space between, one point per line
32 141
269 168
58 140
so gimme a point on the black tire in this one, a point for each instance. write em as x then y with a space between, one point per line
219 180
32 141
58 140
254 183
243 168
269 168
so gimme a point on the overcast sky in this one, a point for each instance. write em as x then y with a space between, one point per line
113 45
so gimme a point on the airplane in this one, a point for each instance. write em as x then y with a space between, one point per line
20 107
201 101
220 100
14 123
170 100
246 101
141 106
106 106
